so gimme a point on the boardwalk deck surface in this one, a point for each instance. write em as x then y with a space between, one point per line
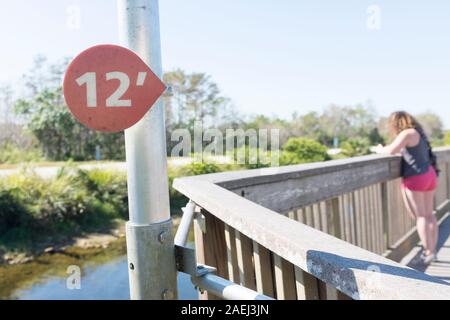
440 268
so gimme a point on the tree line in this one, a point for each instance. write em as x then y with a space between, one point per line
37 123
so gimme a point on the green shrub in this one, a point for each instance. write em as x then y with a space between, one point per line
12 154
356 147
199 168
12 212
177 200
303 150
108 187
252 158
73 201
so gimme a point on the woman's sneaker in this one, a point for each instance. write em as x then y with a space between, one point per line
427 259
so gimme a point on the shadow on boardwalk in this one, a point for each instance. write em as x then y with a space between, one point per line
439 269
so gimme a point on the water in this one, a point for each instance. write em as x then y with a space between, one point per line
108 281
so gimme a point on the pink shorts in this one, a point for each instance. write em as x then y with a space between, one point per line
423 182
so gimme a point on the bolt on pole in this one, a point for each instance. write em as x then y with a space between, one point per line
151 257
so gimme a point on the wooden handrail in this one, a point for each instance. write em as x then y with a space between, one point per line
346 267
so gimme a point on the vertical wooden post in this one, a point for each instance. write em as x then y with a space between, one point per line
336 218
211 247
230 239
244 247
263 270
385 209
307 286
284 279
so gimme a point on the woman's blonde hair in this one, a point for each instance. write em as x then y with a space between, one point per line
402 120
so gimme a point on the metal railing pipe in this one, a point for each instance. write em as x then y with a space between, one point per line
185 224
225 289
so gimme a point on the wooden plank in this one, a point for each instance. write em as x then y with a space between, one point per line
391 218
374 218
212 248
328 292
233 270
368 221
307 286
342 219
336 218
301 215
263 270
385 215
292 215
323 216
244 247
362 217
378 218
346 218
377 215
441 192
330 217
284 279
351 208
358 221
397 227
331 293
309 216
381 238
316 216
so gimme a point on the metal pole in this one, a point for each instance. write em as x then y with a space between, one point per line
152 269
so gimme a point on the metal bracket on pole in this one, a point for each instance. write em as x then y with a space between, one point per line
150 253
187 262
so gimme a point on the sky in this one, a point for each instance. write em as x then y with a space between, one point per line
273 57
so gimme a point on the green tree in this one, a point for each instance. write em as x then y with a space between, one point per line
302 150
356 147
194 97
47 117
308 126
346 122
57 131
433 126
447 138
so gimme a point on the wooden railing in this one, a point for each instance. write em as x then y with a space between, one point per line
330 230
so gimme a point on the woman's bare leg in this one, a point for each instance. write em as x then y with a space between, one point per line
432 222
417 202
408 205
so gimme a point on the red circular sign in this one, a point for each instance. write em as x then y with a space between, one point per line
109 88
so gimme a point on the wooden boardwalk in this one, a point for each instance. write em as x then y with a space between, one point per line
440 268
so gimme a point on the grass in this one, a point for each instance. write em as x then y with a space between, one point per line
35 211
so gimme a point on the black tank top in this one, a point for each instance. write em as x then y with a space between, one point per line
416 160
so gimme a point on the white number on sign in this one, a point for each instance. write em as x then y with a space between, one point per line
114 99
90 80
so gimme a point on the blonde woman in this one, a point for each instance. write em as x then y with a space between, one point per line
419 174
